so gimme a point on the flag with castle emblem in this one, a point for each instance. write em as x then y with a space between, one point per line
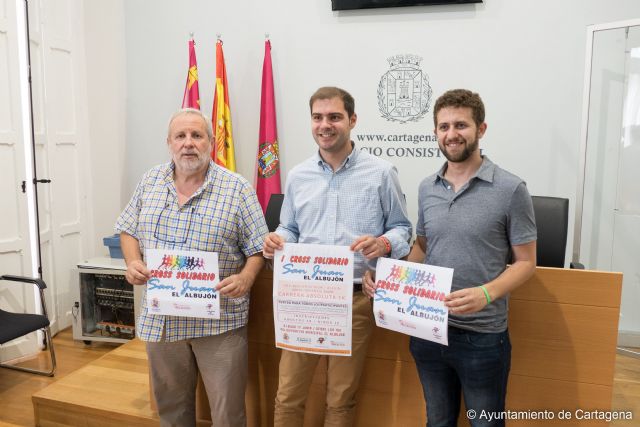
191 97
268 160
223 152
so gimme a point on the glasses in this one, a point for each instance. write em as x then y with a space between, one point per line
172 229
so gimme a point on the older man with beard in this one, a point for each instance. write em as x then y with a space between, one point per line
192 204
476 218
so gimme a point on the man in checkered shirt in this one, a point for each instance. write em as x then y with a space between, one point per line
191 203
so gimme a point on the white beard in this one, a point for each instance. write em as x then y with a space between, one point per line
191 164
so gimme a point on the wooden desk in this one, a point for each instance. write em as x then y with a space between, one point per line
563 325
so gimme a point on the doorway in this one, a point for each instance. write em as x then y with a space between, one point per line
607 234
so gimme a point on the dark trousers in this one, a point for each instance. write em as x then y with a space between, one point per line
475 363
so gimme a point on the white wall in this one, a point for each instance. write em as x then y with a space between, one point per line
106 108
526 59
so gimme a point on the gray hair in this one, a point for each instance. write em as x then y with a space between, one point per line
182 111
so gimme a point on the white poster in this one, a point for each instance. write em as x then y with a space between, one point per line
183 283
312 298
409 298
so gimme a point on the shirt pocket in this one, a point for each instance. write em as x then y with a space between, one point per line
149 217
212 232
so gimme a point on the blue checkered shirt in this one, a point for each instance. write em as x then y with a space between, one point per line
222 216
362 197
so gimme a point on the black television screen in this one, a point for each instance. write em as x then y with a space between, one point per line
370 4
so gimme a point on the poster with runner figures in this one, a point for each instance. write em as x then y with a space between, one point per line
183 283
409 298
312 298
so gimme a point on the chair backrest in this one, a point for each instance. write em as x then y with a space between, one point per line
552 219
16 325
272 215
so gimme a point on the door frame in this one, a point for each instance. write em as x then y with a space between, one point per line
586 99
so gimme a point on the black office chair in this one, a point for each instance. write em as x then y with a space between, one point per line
552 220
272 215
16 325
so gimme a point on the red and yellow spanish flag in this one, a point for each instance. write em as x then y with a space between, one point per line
222 152
191 97
268 159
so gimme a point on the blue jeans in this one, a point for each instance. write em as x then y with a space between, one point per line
475 363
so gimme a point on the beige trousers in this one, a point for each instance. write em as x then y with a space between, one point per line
343 375
222 362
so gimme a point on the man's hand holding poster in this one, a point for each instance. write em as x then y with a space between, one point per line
183 283
409 298
312 298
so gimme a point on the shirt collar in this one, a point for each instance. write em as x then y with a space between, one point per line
347 163
485 172
208 179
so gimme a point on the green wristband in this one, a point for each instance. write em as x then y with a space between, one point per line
486 294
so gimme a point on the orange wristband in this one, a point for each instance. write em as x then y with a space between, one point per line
386 243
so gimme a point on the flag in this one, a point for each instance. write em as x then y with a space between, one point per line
222 152
191 98
268 159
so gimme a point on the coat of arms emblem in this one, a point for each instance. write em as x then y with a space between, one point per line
268 159
404 93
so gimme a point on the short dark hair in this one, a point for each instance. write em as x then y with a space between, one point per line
460 98
329 92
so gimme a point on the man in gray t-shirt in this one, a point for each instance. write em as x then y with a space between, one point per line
473 217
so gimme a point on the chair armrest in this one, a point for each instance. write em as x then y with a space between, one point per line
11 278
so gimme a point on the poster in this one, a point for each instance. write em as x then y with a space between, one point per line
312 298
183 283
409 298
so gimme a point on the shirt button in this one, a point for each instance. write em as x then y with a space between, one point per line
448 187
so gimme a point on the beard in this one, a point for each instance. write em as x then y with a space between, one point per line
468 150
191 164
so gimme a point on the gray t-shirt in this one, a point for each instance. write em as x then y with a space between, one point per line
472 231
